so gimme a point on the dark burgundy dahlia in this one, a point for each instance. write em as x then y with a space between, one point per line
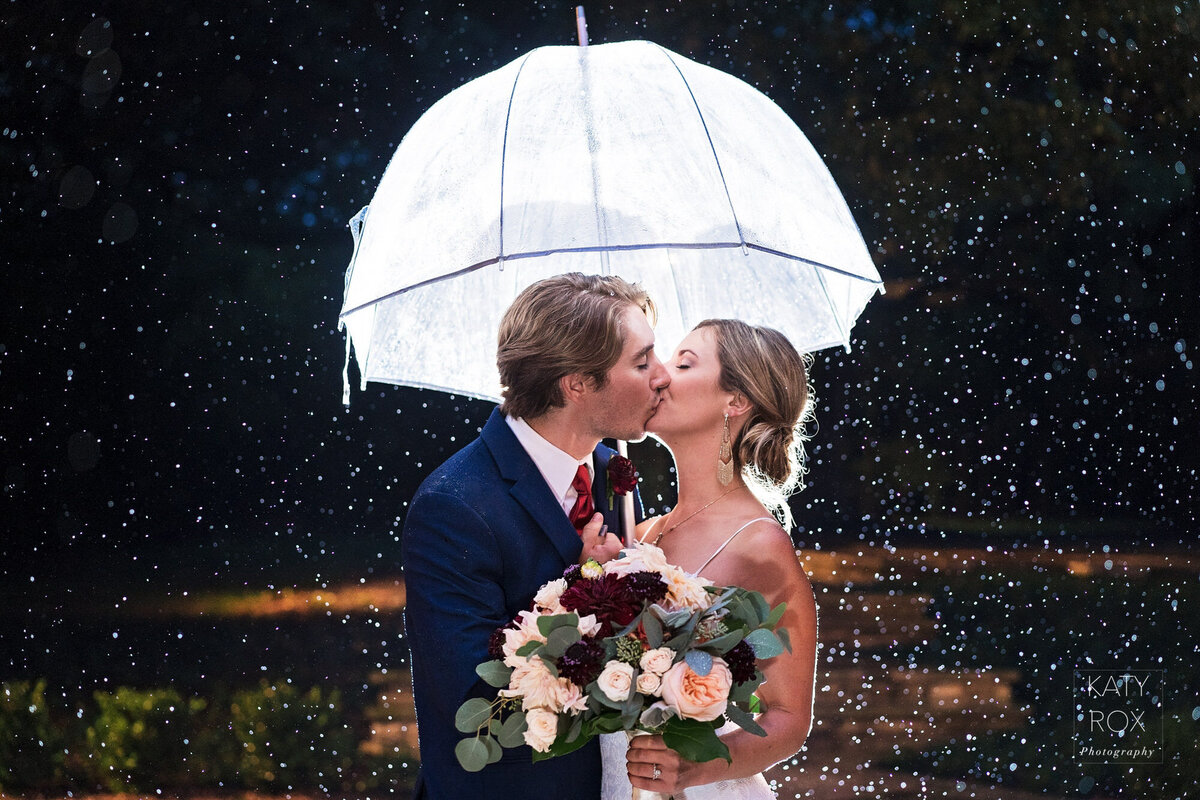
742 663
583 662
649 587
496 642
609 597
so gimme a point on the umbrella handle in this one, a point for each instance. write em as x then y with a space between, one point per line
581 26
627 523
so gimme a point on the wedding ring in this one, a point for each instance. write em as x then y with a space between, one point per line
657 773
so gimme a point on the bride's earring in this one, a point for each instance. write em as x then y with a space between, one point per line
725 457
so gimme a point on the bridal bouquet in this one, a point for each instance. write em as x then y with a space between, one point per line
636 644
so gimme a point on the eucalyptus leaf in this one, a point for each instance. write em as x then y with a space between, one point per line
512 732
785 637
761 609
653 629
776 615
726 641
549 623
700 662
472 754
472 715
764 643
494 673
558 641
493 748
529 648
743 720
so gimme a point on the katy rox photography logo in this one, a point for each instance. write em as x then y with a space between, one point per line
1118 716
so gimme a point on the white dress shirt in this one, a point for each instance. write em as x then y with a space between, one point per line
556 466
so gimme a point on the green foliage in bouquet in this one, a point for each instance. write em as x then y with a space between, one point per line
625 673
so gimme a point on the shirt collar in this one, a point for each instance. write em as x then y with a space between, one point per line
557 467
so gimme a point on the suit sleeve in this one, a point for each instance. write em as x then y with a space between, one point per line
455 600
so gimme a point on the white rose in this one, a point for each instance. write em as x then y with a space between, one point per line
616 681
548 596
542 728
649 683
658 660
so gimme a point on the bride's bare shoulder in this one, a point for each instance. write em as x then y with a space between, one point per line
644 528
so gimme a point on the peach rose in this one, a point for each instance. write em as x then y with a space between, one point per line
542 728
695 696
616 681
649 683
658 660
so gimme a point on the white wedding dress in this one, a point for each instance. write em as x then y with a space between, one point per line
615 783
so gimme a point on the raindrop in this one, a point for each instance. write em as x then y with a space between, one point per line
96 37
76 188
120 223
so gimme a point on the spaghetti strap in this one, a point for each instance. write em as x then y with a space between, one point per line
730 539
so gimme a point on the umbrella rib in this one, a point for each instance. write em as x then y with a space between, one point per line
833 309
716 159
610 248
504 151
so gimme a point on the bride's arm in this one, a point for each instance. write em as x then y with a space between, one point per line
765 563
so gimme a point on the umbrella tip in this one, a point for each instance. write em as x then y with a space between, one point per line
581 26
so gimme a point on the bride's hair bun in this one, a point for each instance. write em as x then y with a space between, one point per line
763 366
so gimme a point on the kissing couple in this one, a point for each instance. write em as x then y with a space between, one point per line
530 497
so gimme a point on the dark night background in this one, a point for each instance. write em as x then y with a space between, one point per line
176 181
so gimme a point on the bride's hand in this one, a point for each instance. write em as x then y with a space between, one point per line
598 543
648 753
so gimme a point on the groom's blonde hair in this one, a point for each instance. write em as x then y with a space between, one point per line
567 324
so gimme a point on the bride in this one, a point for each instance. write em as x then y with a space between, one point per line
732 419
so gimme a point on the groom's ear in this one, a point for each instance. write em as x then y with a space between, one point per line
574 386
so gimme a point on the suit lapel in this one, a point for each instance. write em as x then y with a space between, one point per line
529 488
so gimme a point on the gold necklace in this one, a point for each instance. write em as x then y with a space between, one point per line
658 538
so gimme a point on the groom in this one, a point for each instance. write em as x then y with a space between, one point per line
510 511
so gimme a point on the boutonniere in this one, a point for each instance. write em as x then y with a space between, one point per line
622 477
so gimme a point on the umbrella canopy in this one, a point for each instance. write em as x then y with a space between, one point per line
623 159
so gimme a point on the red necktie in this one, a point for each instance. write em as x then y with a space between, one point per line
584 508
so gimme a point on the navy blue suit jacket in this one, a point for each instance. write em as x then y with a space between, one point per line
482 535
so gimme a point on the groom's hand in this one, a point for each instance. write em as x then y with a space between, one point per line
598 543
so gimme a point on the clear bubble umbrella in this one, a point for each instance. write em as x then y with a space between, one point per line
621 158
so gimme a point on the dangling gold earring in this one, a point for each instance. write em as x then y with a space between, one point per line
725 457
